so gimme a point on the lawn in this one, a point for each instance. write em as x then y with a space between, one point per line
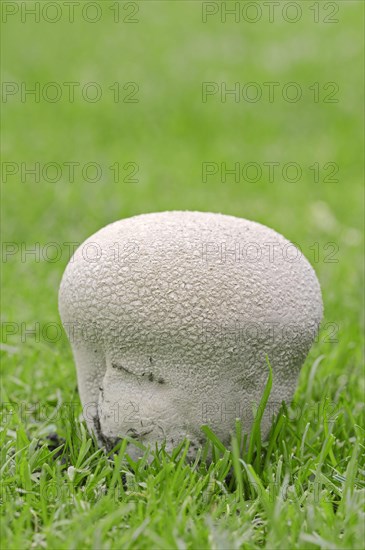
150 106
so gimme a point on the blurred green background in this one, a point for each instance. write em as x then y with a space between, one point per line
170 132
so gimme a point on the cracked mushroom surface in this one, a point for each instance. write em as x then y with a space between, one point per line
170 316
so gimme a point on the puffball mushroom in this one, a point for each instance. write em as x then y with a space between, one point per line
171 315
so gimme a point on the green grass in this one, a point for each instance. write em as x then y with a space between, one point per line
303 487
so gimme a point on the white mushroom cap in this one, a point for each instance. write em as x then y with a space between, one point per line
170 316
